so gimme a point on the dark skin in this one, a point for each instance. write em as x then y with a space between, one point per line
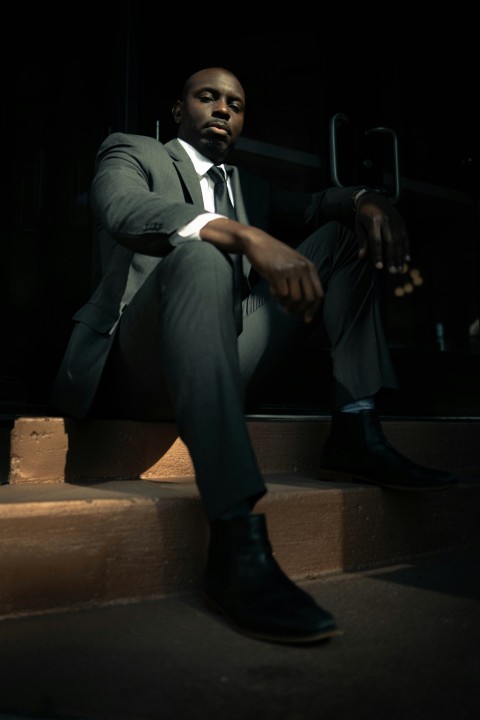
210 117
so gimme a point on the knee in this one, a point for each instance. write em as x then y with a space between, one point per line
334 234
330 240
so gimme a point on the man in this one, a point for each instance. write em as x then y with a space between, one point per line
177 329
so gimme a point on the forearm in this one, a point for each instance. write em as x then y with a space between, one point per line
232 236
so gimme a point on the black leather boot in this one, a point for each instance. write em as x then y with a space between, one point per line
246 584
357 448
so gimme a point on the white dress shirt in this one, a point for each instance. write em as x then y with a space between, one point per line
202 165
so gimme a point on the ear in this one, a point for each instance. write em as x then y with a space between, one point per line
177 111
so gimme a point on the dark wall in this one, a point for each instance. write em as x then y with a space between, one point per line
77 75
63 83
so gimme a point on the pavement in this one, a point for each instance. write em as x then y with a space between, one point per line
410 650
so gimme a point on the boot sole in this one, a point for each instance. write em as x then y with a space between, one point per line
281 639
345 476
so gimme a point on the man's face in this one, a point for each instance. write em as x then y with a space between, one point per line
211 115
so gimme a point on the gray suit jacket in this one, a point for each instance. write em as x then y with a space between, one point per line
143 191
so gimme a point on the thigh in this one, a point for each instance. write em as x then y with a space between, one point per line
167 331
269 335
268 339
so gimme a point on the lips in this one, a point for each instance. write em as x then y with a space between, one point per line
219 126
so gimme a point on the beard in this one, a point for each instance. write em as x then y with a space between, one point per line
216 150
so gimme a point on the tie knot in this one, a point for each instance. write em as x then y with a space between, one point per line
217 174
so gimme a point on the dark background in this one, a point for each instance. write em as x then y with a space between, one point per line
74 75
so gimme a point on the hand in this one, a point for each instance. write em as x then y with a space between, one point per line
293 279
381 232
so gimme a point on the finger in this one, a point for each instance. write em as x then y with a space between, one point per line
316 284
293 301
278 287
406 248
314 294
311 311
299 291
306 294
376 243
394 251
370 240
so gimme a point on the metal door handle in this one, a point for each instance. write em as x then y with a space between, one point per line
337 119
342 119
396 163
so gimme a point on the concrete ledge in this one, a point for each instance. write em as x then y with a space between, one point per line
54 449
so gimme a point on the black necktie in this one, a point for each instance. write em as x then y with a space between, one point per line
223 206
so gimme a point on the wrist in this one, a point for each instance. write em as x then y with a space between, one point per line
363 190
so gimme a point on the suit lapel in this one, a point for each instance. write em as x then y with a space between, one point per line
186 172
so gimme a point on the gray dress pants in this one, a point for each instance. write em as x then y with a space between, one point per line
177 355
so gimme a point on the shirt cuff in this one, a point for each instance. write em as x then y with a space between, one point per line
191 231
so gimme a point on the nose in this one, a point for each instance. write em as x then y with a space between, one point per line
221 107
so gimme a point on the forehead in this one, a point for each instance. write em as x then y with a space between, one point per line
219 81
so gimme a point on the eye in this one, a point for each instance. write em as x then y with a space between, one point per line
205 98
236 107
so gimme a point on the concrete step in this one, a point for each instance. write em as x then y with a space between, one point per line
105 512
71 545
55 449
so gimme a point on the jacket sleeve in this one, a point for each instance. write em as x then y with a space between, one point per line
137 196
294 212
